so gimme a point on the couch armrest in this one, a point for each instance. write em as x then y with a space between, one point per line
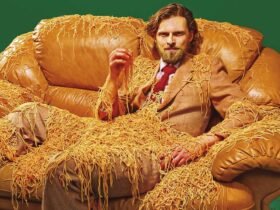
18 65
260 153
12 95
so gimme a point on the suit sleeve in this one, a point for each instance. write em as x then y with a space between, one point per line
107 109
230 102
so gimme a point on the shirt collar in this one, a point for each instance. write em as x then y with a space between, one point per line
162 64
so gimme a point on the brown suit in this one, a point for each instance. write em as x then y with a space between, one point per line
200 83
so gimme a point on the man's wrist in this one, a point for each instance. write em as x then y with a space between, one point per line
110 88
209 139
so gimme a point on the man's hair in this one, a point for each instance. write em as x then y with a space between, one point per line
173 10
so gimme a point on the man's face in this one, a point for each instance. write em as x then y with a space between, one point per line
173 38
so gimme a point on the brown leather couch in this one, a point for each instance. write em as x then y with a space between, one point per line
64 61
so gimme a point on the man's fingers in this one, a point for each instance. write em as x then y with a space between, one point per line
117 62
178 158
162 165
120 52
176 152
182 158
178 149
162 156
183 161
119 55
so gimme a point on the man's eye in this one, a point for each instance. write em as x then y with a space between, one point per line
179 34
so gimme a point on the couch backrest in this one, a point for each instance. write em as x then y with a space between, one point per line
73 50
238 47
69 54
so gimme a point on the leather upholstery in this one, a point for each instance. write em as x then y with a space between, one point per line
236 46
73 50
260 82
260 153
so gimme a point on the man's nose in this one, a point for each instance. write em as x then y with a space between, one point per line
170 39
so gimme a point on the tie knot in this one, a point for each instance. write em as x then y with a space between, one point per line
163 81
169 69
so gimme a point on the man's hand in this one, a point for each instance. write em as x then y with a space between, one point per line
181 156
108 107
120 59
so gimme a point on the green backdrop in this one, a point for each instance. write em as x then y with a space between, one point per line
20 16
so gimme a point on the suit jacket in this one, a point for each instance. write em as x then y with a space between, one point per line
199 85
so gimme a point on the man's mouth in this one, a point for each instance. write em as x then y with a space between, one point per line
171 49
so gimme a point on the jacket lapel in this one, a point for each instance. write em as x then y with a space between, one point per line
182 77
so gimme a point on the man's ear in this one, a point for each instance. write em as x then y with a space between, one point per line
191 36
155 40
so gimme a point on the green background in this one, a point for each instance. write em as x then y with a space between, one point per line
275 204
20 16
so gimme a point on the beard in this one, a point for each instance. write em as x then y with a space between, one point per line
171 57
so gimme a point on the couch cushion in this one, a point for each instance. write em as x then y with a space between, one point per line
73 50
77 101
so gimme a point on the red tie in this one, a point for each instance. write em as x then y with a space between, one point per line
167 71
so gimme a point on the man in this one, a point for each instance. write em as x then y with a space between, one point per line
175 33
187 86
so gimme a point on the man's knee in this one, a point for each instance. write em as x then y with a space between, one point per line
30 119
